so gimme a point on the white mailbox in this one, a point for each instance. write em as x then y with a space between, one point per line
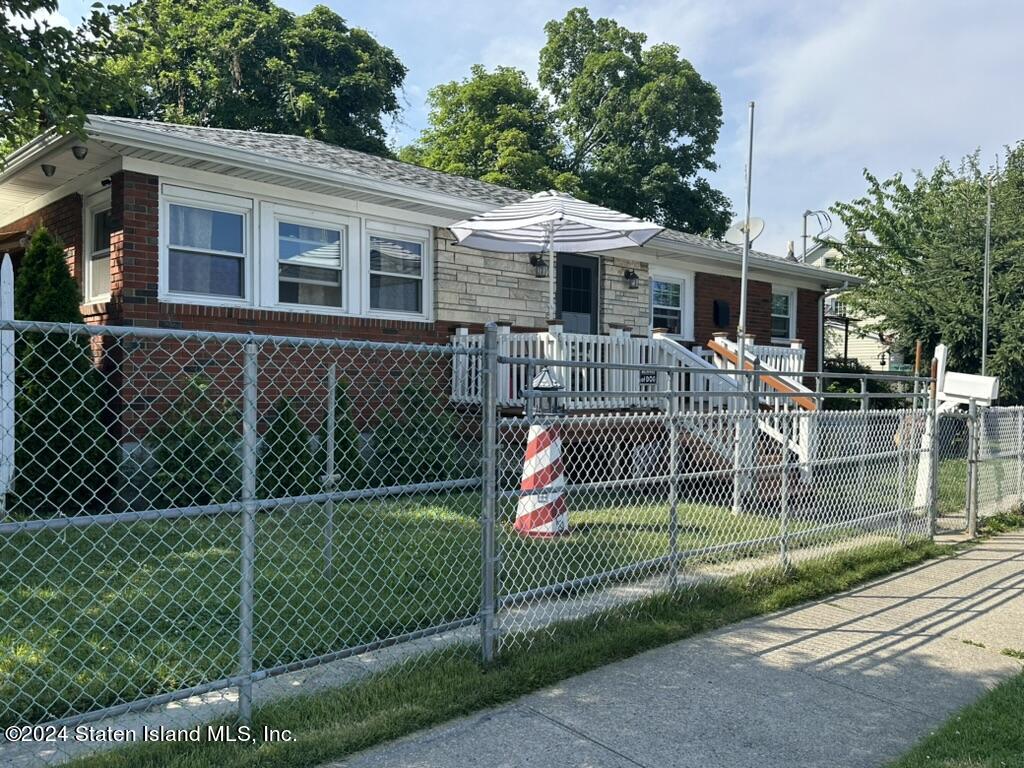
964 387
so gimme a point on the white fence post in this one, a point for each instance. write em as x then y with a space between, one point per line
6 383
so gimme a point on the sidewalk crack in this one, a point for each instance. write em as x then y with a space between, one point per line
582 735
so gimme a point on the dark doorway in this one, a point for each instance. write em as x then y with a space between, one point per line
576 292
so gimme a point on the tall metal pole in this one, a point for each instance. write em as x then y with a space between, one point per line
987 277
741 438
741 330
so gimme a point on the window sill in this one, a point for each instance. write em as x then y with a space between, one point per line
206 301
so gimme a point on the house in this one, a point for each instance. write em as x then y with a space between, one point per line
203 228
847 336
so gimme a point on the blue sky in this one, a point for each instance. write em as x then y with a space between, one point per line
891 85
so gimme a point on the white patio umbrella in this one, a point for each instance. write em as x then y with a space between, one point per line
552 221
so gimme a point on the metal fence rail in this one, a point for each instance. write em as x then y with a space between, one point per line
190 516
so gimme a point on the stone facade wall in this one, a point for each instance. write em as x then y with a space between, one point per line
620 304
473 287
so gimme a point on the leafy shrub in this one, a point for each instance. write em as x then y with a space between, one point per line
416 443
63 453
837 385
196 449
349 465
286 465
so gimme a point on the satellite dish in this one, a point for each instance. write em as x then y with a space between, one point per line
734 235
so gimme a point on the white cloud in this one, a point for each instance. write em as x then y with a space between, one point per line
47 18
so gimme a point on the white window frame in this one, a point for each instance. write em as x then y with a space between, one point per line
171 194
791 293
686 296
96 203
419 235
268 261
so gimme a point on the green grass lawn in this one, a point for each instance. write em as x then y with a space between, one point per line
987 734
400 700
94 616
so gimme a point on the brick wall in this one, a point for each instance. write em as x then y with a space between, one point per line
709 287
64 219
807 327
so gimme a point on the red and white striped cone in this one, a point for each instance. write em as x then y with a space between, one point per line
542 512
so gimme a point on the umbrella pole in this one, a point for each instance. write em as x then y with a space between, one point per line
552 304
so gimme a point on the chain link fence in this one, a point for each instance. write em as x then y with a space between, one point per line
195 523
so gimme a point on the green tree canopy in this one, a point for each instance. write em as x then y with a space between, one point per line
492 126
252 65
619 124
47 70
920 245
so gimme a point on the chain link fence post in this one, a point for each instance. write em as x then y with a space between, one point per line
488 386
933 452
329 426
784 497
671 406
249 437
972 468
1020 455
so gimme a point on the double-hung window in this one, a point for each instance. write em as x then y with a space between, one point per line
97 256
672 303
310 263
208 245
783 314
396 272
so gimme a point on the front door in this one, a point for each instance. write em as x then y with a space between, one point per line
576 293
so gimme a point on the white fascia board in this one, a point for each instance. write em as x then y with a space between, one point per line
819 277
144 139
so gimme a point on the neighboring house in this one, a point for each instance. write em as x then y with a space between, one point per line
203 228
846 335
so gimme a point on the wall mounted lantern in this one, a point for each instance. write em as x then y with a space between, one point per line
540 266
632 278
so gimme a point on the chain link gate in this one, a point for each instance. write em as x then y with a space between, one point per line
980 465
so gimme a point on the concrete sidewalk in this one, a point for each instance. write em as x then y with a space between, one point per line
852 680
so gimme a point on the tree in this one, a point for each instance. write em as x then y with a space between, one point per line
286 466
253 65
63 454
416 443
620 124
640 123
47 70
194 449
492 126
349 464
920 247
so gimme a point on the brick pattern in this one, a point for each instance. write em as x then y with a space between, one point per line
64 219
709 287
807 327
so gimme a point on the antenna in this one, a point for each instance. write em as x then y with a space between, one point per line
824 225
734 235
